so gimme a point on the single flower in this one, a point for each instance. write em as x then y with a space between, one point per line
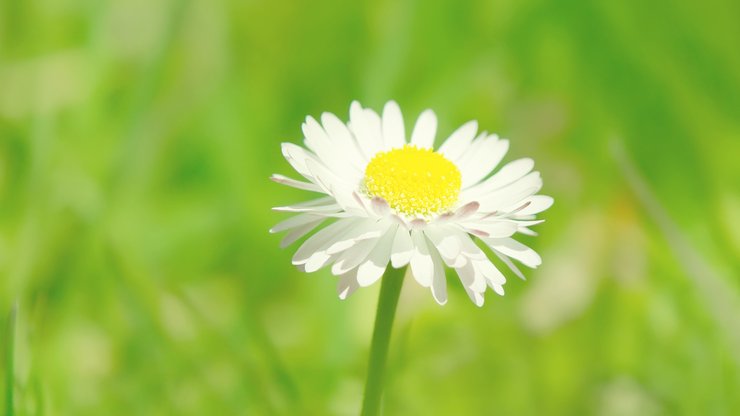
392 200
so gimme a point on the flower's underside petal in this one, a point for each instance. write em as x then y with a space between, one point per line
477 279
298 232
493 276
439 281
468 248
403 248
422 265
374 266
364 230
347 284
294 221
321 240
473 283
447 243
353 257
510 264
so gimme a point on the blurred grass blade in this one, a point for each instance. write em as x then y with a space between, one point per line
9 362
720 297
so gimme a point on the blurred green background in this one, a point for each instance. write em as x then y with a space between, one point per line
136 142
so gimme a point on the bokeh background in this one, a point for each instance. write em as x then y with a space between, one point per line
136 142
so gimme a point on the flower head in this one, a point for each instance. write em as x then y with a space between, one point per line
389 202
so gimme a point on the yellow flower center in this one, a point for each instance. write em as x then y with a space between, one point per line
414 181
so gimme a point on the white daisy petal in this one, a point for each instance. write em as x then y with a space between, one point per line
510 264
466 210
512 194
347 284
325 178
333 154
515 250
377 261
471 277
499 289
527 223
334 186
353 257
473 282
403 249
295 221
317 261
422 265
394 135
318 210
306 186
345 143
424 130
469 249
318 206
297 156
298 232
459 140
493 229
511 172
439 281
485 158
476 297
375 127
365 230
445 241
527 231
493 276
322 238
537 204
368 143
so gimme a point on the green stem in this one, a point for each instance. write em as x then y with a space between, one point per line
390 290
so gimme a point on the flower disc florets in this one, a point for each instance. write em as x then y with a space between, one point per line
414 181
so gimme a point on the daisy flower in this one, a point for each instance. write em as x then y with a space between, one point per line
389 200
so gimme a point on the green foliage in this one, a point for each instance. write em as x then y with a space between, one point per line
136 141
